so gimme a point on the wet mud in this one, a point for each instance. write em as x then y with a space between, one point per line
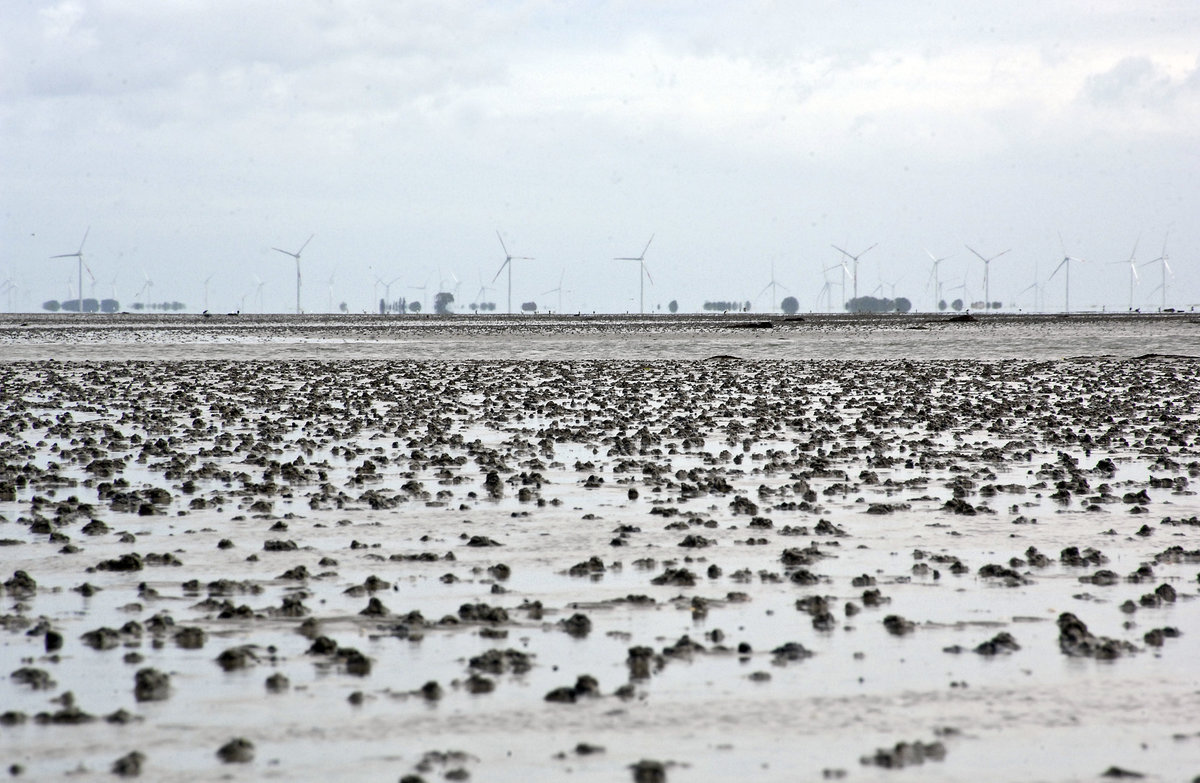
605 569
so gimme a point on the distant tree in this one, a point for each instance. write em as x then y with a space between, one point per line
343 308
942 304
673 306
997 305
109 305
956 305
790 305
870 304
722 305
902 305
442 302
383 308
529 307
414 307
52 305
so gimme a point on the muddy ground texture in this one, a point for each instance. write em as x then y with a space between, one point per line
600 569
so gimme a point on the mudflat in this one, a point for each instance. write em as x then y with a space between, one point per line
286 564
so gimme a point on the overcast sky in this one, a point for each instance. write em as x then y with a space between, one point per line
193 136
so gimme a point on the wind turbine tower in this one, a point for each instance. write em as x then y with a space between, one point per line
643 274
1166 270
935 277
1133 274
773 285
1066 262
987 264
296 256
854 259
557 290
508 259
78 254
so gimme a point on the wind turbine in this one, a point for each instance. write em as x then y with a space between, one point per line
987 264
330 284
1133 274
296 256
78 254
643 273
558 290
421 288
1066 262
1036 287
854 258
1166 269
210 277
387 291
935 277
149 284
508 259
772 285
258 292
479 297
826 289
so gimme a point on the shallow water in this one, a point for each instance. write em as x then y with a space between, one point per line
285 388
563 338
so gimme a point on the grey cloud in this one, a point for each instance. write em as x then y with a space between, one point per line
1133 82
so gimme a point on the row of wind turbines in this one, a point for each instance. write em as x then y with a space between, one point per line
848 264
643 273
81 266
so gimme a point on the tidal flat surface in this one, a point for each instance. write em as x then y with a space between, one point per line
614 563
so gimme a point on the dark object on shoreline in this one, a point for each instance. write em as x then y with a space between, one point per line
965 318
749 325
1147 356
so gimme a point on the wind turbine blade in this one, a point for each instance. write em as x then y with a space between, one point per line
501 269
872 247
85 236
993 258
1060 266
67 255
843 252
285 252
647 247
932 257
976 252
647 271
626 258
502 245
301 250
